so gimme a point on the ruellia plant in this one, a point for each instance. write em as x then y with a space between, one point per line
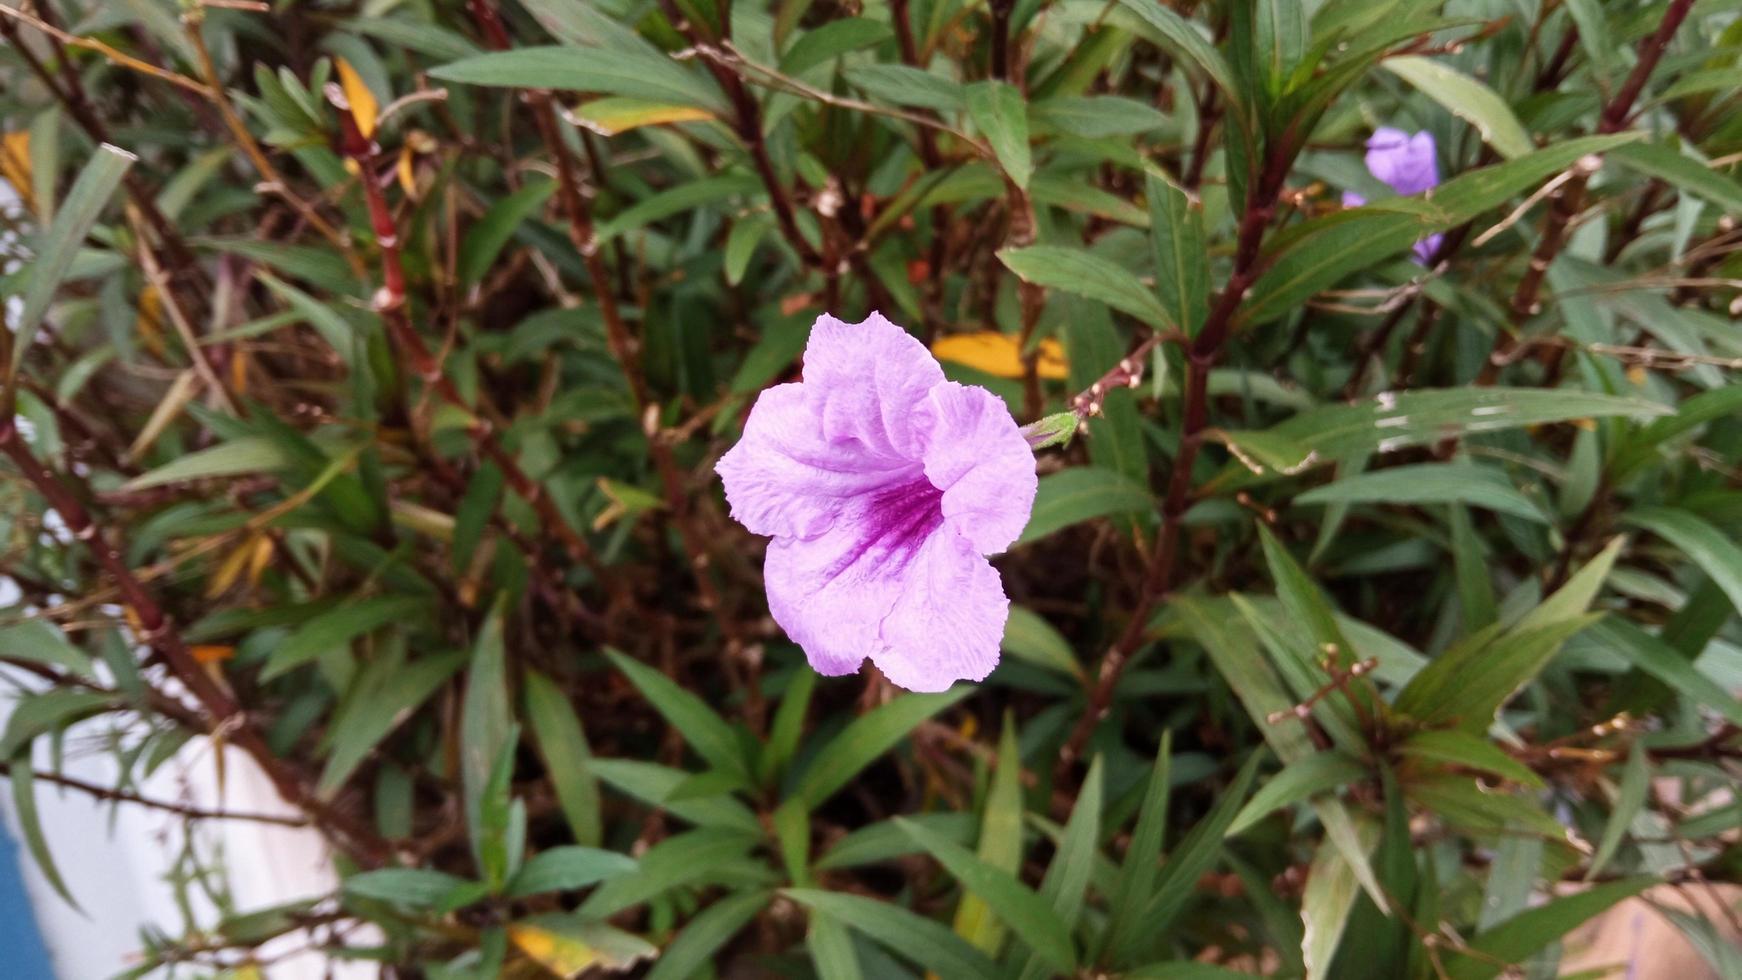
1162 489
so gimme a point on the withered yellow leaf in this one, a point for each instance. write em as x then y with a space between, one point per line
1000 354
612 115
364 108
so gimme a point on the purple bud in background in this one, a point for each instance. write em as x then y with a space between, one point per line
1408 164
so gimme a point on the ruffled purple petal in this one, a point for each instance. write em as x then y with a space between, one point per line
868 378
1427 248
831 593
948 621
975 454
785 479
1408 164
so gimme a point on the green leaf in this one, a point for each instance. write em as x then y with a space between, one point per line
1521 936
486 731
999 111
1346 242
1715 552
1593 27
1029 637
1430 483
747 232
708 733
672 863
704 935
23 779
1469 683
1073 862
865 740
1708 406
1182 259
1185 39
567 757
1394 421
377 706
249 454
1000 846
831 949
884 841
1136 880
1466 98
1664 662
1298 781
1682 172
911 936
905 85
1635 781
1026 914
485 239
426 39
1470 752
38 641
1331 890
682 199
1074 495
634 73
1096 116
831 40
567 868
60 244
336 628
413 887
1197 853
1084 273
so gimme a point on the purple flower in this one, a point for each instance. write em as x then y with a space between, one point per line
1408 165
883 487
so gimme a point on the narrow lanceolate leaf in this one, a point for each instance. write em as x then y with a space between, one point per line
1669 665
1182 261
55 250
1464 750
1635 780
1466 98
485 239
1331 890
867 738
1136 878
567 868
1298 781
1397 420
42 642
1079 494
248 454
704 935
999 849
486 724
23 779
999 111
1025 913
567 757
634 73
1520 937
1086 274
904 933
375 709
1195 855
336 628
1684 173
1710 548
705 730
1431 483
1185 39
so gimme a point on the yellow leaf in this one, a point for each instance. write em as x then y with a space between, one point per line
15 165
364 108
1000 354
211 653
258 561
229 570
566 946
613 115
149 323
407 174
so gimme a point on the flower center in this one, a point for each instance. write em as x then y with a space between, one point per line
897 521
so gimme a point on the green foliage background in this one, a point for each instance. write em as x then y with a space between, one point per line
368 362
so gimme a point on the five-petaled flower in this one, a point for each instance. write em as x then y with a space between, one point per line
884 487
1408 165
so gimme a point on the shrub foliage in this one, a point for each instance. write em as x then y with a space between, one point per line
367 364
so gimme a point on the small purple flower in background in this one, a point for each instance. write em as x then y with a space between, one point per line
884 487
1408 165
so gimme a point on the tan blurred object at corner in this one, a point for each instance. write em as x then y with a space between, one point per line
1633 940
